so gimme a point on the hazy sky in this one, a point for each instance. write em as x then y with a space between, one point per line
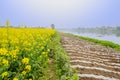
63 13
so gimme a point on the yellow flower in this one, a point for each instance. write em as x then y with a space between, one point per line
23 73
30 79
4 74
25 60
48 50
14 53
44 53
42 47
15 78
26 43
5 62
28 67
3 51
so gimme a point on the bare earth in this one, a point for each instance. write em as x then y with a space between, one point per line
93 62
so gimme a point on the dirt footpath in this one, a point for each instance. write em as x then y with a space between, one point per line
92 61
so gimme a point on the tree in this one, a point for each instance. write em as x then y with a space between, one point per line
118 27
52 26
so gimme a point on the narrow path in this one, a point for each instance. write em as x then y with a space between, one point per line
92 61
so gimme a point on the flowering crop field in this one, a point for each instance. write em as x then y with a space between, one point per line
24 52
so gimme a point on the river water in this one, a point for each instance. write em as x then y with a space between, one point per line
110 37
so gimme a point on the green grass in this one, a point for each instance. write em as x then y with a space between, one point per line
100 42
61 61
51 71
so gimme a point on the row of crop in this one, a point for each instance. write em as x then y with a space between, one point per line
24 53
62 61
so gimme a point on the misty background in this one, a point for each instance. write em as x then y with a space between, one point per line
62 13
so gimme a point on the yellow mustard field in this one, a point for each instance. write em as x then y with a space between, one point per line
24 52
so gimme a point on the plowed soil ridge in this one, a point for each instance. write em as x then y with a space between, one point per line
93 62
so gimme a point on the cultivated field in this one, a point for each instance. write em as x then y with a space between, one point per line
33 54
93 62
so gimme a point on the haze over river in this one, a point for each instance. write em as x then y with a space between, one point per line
109 37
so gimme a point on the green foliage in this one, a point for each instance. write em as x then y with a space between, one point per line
100 42
25 54
62 61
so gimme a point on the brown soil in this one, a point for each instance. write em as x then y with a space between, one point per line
92 59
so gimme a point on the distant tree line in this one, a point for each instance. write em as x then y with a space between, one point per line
99 30
25 26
